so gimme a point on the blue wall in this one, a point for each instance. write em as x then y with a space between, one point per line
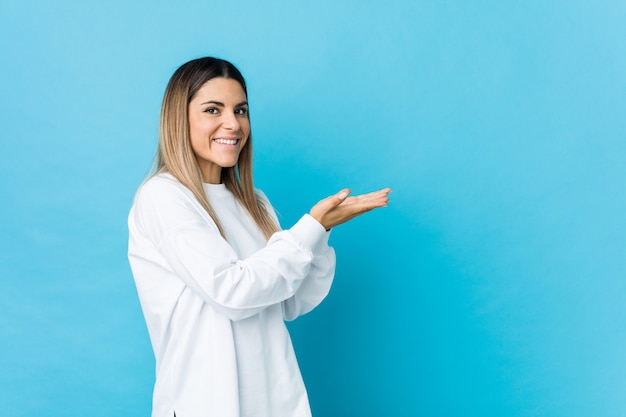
493 285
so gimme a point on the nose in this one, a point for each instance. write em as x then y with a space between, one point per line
230 121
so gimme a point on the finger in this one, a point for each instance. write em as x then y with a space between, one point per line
375 194
381 193
376 198
339 198
362 206
343 194
330 203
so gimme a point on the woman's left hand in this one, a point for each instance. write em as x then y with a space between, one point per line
339 208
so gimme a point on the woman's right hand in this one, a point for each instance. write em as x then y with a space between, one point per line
339 208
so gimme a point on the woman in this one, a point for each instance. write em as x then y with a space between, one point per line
216 276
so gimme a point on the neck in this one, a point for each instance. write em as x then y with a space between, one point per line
211 174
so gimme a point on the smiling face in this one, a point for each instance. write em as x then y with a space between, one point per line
218 126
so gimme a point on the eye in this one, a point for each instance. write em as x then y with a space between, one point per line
241 112
212 110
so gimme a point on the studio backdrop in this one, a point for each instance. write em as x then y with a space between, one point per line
492 285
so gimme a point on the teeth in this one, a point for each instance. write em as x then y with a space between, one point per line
227 141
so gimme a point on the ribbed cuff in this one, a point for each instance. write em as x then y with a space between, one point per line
310 233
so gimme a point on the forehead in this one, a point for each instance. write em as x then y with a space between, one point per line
221 89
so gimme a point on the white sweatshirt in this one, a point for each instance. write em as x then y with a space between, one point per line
215 308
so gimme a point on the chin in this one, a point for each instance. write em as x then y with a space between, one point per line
229 164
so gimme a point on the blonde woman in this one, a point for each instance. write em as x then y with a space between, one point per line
215 274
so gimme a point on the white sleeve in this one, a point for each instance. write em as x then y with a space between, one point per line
318 280
194 250
314 288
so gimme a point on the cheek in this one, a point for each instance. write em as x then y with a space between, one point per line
246 130
199 132
193 139
245 127
198 141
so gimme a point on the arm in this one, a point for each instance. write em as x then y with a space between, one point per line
316 285
167 217
314 288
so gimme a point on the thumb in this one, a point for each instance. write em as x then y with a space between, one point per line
333 201
340 196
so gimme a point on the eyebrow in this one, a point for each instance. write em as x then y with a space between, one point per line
219 103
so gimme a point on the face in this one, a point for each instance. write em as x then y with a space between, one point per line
218 125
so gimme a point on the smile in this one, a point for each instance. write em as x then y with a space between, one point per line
226 141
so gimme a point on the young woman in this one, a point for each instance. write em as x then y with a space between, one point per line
216 275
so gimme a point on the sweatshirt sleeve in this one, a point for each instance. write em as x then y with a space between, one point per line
168 219
316 285
314 288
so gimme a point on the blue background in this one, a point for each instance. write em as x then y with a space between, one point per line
493 285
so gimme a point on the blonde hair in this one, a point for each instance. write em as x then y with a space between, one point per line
175 154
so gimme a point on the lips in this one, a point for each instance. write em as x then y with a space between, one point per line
226 141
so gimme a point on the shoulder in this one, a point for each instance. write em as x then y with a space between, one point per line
161 188
163 193
162 202
160 183
262 199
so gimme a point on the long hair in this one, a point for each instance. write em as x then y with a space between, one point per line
175 154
